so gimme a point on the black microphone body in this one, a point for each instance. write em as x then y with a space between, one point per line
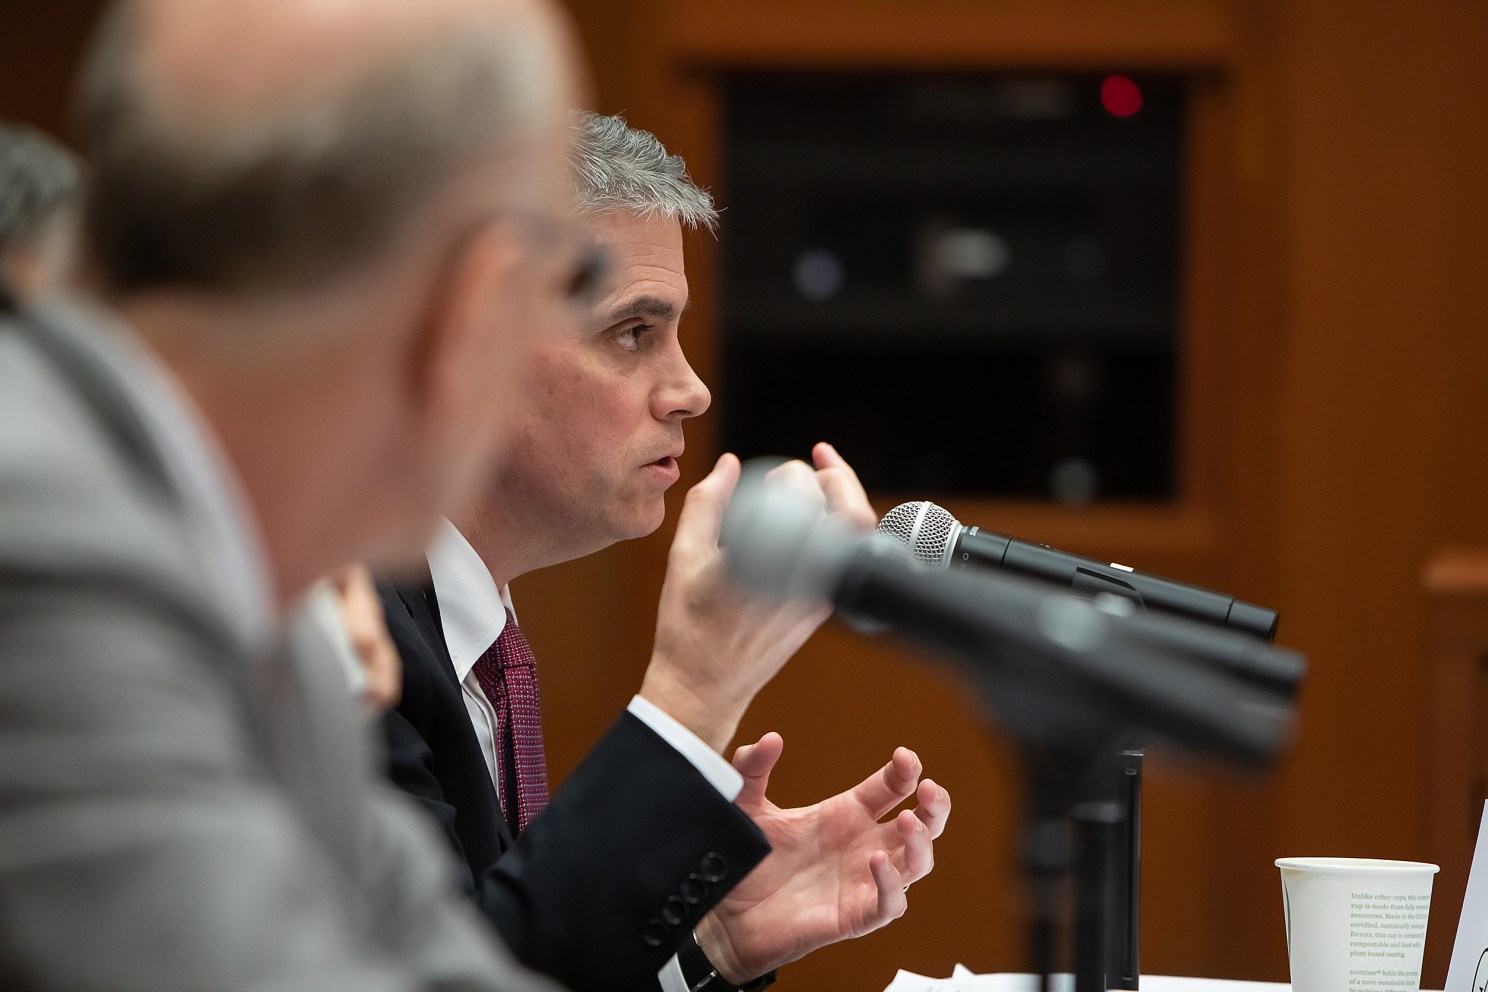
975 546
937 538
1229 651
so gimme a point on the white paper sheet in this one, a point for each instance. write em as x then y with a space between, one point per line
962 979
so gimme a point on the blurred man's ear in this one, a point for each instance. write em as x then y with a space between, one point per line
469 358
471 341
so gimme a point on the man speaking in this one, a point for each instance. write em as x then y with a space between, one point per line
631 860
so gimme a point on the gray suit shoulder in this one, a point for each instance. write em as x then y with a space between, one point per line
175 814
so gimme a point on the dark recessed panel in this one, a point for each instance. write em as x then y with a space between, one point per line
967 282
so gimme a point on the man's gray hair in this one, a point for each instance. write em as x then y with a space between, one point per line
301 196
618 167
39 179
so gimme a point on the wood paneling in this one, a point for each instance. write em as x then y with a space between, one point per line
1335 411
40 43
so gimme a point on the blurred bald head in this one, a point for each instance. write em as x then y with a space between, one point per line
280 144
341 224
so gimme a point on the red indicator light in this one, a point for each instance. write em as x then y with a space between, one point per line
1120 96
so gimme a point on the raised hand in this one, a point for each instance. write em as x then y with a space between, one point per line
840 487
715 646
835 871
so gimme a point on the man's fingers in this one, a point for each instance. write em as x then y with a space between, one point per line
823 455
934 807
366 628
384 671
795 475
702 511
755 762
917 856
844 492
890 785
892 900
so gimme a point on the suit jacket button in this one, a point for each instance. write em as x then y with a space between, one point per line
674 910
714 867
655 932
694 889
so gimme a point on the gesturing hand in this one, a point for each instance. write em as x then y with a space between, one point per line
835 871
716 647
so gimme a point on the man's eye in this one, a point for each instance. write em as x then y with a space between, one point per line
629 338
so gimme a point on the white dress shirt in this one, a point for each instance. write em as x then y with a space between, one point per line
472 614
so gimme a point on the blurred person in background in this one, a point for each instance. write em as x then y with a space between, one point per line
40 188
40 196
629 864
318 243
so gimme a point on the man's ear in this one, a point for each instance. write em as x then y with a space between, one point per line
469 338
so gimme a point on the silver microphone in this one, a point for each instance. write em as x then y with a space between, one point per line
938 539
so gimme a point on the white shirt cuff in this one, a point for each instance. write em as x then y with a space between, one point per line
670 975
719 773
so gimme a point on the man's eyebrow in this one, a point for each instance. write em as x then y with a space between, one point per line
653 307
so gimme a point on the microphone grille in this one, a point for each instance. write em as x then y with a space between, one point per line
923 527
777 541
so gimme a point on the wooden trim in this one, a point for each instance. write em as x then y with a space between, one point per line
844 33
1457 572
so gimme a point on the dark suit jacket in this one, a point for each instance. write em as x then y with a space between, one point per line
602 887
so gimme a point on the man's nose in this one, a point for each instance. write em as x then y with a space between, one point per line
685 395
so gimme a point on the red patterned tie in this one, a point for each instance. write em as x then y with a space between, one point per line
508 674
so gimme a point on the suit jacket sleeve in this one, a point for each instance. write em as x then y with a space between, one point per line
602 887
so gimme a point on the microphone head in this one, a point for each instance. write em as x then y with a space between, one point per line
778 542
927 530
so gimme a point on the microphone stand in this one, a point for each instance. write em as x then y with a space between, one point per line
1107 836
1074 818
1083 807
1074 785
1048 854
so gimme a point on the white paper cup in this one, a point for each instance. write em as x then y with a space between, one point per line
1355 924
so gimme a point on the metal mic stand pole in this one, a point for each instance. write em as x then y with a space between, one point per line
1123 936
1095 825
1066 786
1107 832
1047 855
1078 825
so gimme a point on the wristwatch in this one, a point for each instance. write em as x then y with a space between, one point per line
700 975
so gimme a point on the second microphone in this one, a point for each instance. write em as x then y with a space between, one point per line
937 538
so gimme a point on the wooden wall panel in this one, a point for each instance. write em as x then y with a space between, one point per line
40 42
1378 119
1339 359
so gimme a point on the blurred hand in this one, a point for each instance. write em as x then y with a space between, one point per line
366 627
834 871
840 486
715 646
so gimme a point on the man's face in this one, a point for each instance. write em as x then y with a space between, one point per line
600 431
